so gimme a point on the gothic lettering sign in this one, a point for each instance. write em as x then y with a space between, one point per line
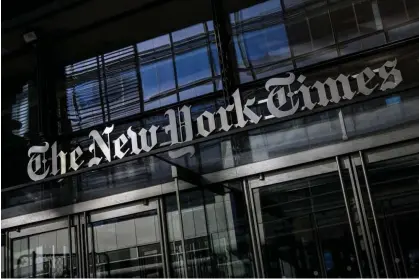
47 160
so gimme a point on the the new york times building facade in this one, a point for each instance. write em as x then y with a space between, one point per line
214 138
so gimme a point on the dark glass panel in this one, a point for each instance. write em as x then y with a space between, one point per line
216 235
302 225
127 246
392 12
394 188
45 255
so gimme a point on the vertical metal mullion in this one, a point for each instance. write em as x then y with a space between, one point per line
86 248
80 255
228 235
406 10
182 236
139 80
70 248
309 33
100 88
163 240
367 185
226 54
250 216
243 49
348 212
210 58
93 252
333 29
317 235
7 253
105 82
361 219
367 227
400 249
213 265
172 50
255 225
294 64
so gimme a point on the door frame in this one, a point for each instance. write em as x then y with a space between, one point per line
350 161
109 213
36 229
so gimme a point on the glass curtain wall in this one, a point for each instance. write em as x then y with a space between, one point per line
216 235
394 189
148 75
280 35
305 230
126 246
43 255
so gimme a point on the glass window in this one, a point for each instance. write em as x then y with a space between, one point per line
405 31
184 62
304 229
156 67
216 235
412 8
127 246
355 20
44 255
259 38
122 97
106 87
392 12
345 23
394 187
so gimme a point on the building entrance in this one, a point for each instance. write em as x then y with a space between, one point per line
126 242
45 250
355 216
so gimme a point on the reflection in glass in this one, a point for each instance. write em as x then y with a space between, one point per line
259 38
394 186
107 87
44 255
216 235
287 137
185 62
277 35
127 246
381 114
304 229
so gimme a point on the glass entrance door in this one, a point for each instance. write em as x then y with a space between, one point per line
393 212
45 250
126 242
354 216
304 226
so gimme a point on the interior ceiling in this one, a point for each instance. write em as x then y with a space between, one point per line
79 29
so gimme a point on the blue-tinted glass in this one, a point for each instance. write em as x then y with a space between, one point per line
157 77
255 11
267 45
240 54
316 58
193 66
196 91
160 102
153 44
188 32
210 25
215 60
259 39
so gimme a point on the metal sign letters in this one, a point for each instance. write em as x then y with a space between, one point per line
282 101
